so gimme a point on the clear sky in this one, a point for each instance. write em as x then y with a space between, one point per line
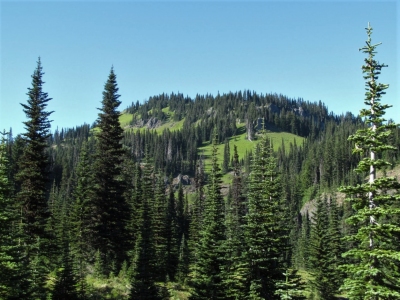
300 49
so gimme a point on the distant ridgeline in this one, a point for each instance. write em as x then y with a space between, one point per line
299 117
171 128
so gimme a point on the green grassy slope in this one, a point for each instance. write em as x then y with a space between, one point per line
244 145
172 125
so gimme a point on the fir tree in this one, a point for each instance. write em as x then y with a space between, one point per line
292 287
227 155
33 177
65 283
373 264
144 261
235 269
265 234
110 207
33 165
13 281
159 230
320 252
171 228
207 281
81 215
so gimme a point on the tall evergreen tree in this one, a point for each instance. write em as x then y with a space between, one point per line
227 157
13 283
265 232
65 286
373 264
235 275
33 177
144 260
110 207
207 281
171 228
320 252
159 230
81 215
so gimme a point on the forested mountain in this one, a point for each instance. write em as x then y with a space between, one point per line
131 207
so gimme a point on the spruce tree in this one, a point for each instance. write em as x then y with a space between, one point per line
292 287
33 165
320 252
172 240
110 208
159 230
81 216
13 279
33 177
373 264
265 232
144 275
234 273
197 211
207 281
65 286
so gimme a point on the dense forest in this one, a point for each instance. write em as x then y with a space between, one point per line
151 208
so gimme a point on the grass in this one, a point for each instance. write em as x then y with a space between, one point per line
170 124
244 145
125 119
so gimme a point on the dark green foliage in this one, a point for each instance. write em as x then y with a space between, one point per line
13 280
373 264
33 179
197 212
65 287
227 157
81 214
111 211
265 229
182 269
144 260
33 165
207 281
171 228
159 207
235 270
321 256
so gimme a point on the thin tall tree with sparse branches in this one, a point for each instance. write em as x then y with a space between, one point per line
373 265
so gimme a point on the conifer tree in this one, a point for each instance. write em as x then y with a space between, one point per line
292 287
182 269
320 252
373 264
33 177
110 207
144 261
197 212
235 269
159 230
207 281
12 279
171 228
65 286
265 234
227 156
335 244
33 165
81 216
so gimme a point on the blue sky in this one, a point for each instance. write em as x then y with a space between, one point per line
300 49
